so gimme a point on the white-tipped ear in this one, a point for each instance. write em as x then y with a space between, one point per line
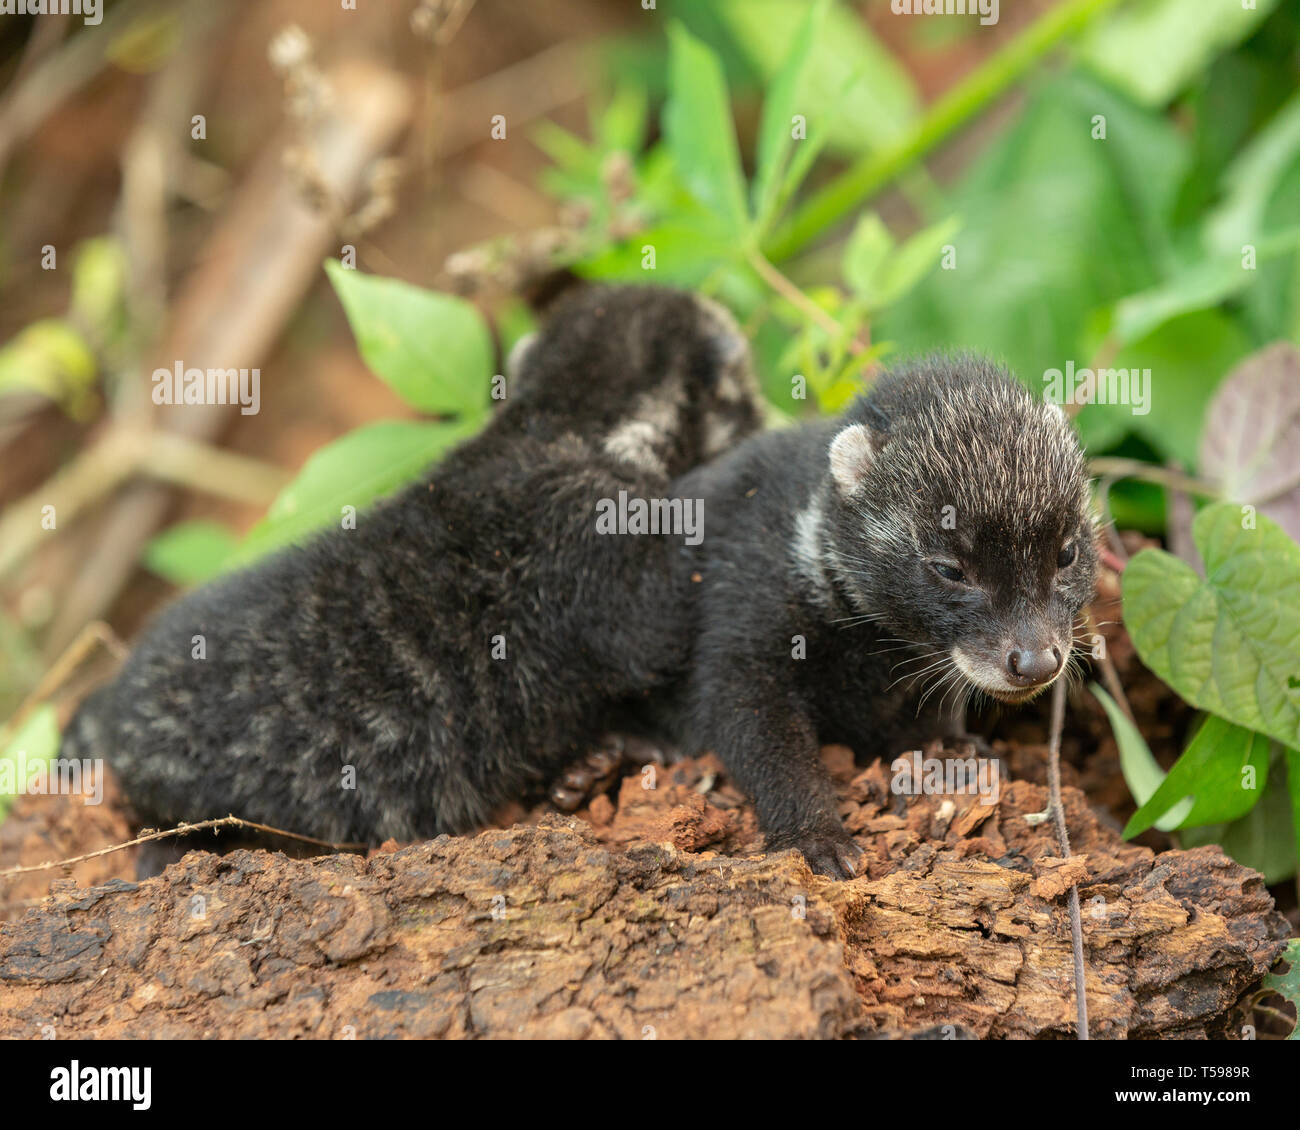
851 454
518 354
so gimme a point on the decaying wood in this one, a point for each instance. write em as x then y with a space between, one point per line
249 279
957 928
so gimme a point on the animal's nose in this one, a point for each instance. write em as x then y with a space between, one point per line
1030 668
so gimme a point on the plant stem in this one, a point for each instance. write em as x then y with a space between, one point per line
181 461
956 107
1122 468
796 297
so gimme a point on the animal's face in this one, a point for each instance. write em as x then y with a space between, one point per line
970 528
1003 595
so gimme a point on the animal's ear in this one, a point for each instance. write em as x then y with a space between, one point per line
728 339
850 455
518 358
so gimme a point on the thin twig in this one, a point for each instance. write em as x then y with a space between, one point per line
181 830
1123 468
796 297
1109 675
57 675
1063 842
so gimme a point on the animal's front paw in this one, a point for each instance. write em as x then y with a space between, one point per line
975 742
600 769
831 853
587 778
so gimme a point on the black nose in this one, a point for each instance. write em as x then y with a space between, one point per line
1029 668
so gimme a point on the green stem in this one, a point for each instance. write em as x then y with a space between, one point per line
984 84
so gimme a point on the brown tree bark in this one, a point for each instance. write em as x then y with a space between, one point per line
563 929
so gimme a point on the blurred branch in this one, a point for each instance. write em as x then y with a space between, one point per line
972 94
120 455
1123 468
249 278
523 92
59 75
151 162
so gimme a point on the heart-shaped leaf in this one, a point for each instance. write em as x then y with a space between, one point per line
1251 443
1230 643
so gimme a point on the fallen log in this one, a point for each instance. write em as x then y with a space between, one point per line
564 928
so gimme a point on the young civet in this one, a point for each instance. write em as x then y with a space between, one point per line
933 543
458 647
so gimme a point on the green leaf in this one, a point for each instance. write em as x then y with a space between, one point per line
865 253
433 350
1154 48
700 133
357 469
1186 358
567 150
1260 205
775 132
50 358
1198 286
99 281
686 252
852 81
881 274
1263 839
1292 759
1046 183
1251 181
190 553
1210 775
32 746
621 126
1142 773
1230 643
1287 985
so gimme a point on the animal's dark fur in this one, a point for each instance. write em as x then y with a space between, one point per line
373 648
817 593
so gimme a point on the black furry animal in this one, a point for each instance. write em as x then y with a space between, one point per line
457 648
934 543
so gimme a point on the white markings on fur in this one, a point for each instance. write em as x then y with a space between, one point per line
990 679
643 437
636 442
807 550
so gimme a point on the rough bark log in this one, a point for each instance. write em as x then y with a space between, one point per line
566 929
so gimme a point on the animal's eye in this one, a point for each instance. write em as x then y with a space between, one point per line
948 572
1066 557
